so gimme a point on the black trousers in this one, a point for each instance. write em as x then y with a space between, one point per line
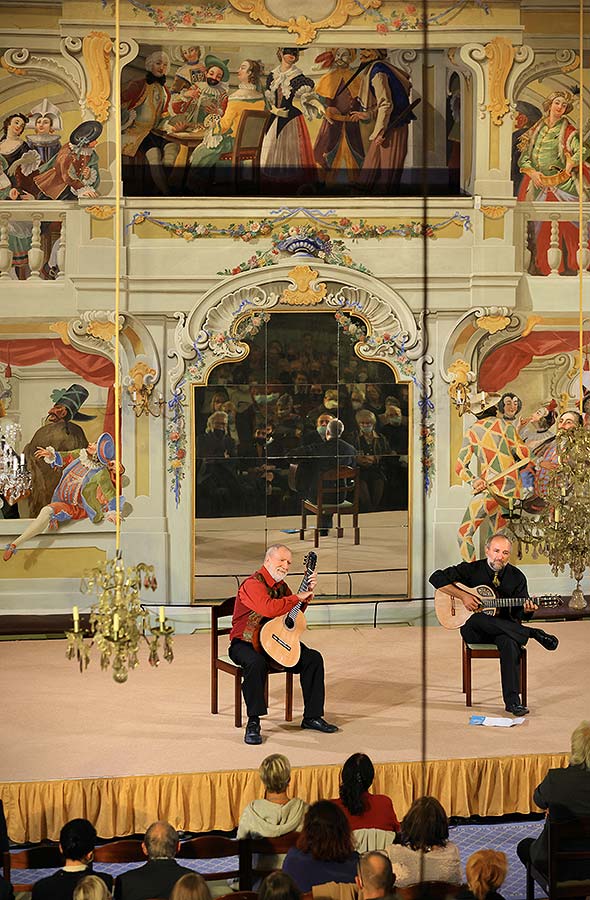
509 637
256 667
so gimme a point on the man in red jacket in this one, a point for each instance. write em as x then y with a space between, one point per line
265 595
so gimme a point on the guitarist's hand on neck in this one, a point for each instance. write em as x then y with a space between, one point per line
307 596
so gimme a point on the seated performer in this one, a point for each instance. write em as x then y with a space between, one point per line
265 595
505 629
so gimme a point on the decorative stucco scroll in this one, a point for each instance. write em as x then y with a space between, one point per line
96 49
500 53
336 14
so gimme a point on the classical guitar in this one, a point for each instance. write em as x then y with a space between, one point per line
451 612
280 637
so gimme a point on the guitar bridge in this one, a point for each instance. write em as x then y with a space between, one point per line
283 644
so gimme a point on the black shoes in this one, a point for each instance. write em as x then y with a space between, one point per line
548 641
517 709
252 734
319 724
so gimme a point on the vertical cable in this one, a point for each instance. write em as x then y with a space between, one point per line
581 210
118 161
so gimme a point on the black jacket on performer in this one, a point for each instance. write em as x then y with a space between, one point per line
504 629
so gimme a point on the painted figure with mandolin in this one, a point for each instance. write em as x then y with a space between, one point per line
493 576
258 647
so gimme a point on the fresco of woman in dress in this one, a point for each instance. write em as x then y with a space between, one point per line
338 148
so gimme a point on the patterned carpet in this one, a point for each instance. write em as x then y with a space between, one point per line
501 836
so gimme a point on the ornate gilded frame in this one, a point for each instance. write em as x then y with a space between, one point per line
305 28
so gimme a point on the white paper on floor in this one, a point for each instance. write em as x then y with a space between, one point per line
498 721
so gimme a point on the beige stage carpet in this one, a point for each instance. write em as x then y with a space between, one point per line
60 725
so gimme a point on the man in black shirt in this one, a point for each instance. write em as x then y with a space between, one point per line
505 629
160 873
76 842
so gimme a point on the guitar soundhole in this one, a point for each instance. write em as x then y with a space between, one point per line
289 623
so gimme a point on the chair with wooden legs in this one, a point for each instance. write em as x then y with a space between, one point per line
488 651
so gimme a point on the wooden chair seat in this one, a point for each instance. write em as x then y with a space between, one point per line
342 481
125 851
265 846
488 651
211 846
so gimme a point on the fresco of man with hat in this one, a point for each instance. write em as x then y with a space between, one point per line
86 489
74 171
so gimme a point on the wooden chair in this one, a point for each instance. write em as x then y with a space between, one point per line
126 851
261 847
429 890
568 845
337 494
248 144
225 664
239 895
44 857
489 651
211 846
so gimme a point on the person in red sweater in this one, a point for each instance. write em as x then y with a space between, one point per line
265 595
364 810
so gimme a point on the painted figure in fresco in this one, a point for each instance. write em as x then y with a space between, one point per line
74 171
287 155
527 114
145 109
222 133
204 98
46 121
191 71
61 432
338 148
546 454
549 161
86 489
496 445
384 99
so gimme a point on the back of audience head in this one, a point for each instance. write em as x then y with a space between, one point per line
356 777
425 825
581 745
485 871
375 875
77 840
190 887
91 887
334 429
160 841
275 773
326 833
279 886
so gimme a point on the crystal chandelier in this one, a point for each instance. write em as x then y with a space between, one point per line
118 621
15 478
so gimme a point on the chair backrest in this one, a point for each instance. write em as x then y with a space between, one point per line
265 846
129 850
44 857
339 484
250 133
220 611
211 846
569 857
429 890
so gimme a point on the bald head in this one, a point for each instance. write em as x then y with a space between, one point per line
161 841
375 878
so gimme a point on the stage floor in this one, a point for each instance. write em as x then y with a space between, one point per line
61 725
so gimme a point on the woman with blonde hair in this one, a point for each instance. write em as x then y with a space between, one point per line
485 871
190 887
91 887
276 813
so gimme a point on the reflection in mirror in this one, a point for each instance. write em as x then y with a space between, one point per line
273 435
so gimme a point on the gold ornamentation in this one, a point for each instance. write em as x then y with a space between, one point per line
61 328
494 212
140 384
11 69
531 322
100 212
571 67
460 386
137 376
493 324
304 294
104 331
97 47
304 28
500 53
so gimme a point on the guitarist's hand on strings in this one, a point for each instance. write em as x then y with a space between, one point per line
470 602
306 596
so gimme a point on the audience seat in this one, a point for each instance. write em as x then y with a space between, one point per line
265 846
211 847
568 845
129 850
334 487
44 857
429 890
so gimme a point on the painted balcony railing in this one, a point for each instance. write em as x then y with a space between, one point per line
33 240
547 236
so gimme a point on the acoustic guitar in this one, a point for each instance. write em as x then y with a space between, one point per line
280 637
451 612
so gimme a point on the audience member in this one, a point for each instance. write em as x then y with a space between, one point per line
279 886
160 873
364 810
374 881
374 399
425 852
76 843
485 871
324 851
91 887
392 426
371 447
6 891
565 794
276 813
191 886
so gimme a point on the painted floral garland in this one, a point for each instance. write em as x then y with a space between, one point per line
176 430
184 16
249 326
411 19
357 332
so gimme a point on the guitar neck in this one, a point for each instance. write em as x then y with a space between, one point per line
513 601
302 587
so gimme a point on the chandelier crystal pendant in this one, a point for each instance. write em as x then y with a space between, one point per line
15 478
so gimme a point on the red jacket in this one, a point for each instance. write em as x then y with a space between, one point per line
253 603
379 813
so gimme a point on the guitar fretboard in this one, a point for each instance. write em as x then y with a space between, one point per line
292 614
514 601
